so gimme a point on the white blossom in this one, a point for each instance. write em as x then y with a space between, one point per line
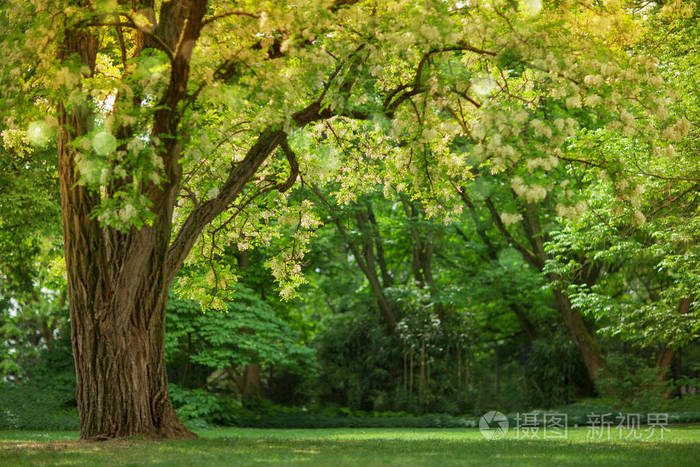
593 80
212 193
127 212
509 218
532 193
483 84
573 102
593 100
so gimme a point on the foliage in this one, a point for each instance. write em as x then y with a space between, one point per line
197 404
36 343
555 372
406 78
444 191
28 406
633 385
357 360
29 215
41 394
248 333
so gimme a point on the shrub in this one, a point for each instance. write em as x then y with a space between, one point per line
193 404
555 371
28 407
633 385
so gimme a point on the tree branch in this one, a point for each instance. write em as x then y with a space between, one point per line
266 143
211 19
527 254
293 166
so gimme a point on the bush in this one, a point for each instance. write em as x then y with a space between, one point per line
688 403
631 384
198 407
272 416
28 407
555 372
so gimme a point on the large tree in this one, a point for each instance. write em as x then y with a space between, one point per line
174 117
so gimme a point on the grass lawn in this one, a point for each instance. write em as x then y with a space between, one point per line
680 446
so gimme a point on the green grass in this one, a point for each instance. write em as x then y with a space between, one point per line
367 447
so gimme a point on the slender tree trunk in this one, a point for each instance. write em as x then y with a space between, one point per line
410 376
247 381
368 266
383 303
387 280
365 257
665 357
497 386
459 368
525 323
467 371
405 370
663 362
492 254
252 381
421 374
590 351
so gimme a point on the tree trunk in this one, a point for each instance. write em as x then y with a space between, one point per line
525 323
247 381
581 335
122 387
421 371
590 351
252 381
117 289
370 269
492 254
665 357
384 305
118 296
118 280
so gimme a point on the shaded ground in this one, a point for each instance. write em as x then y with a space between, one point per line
680 446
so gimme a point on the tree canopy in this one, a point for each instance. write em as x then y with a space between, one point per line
553 143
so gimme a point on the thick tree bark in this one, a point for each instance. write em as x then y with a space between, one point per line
117 291
120 370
